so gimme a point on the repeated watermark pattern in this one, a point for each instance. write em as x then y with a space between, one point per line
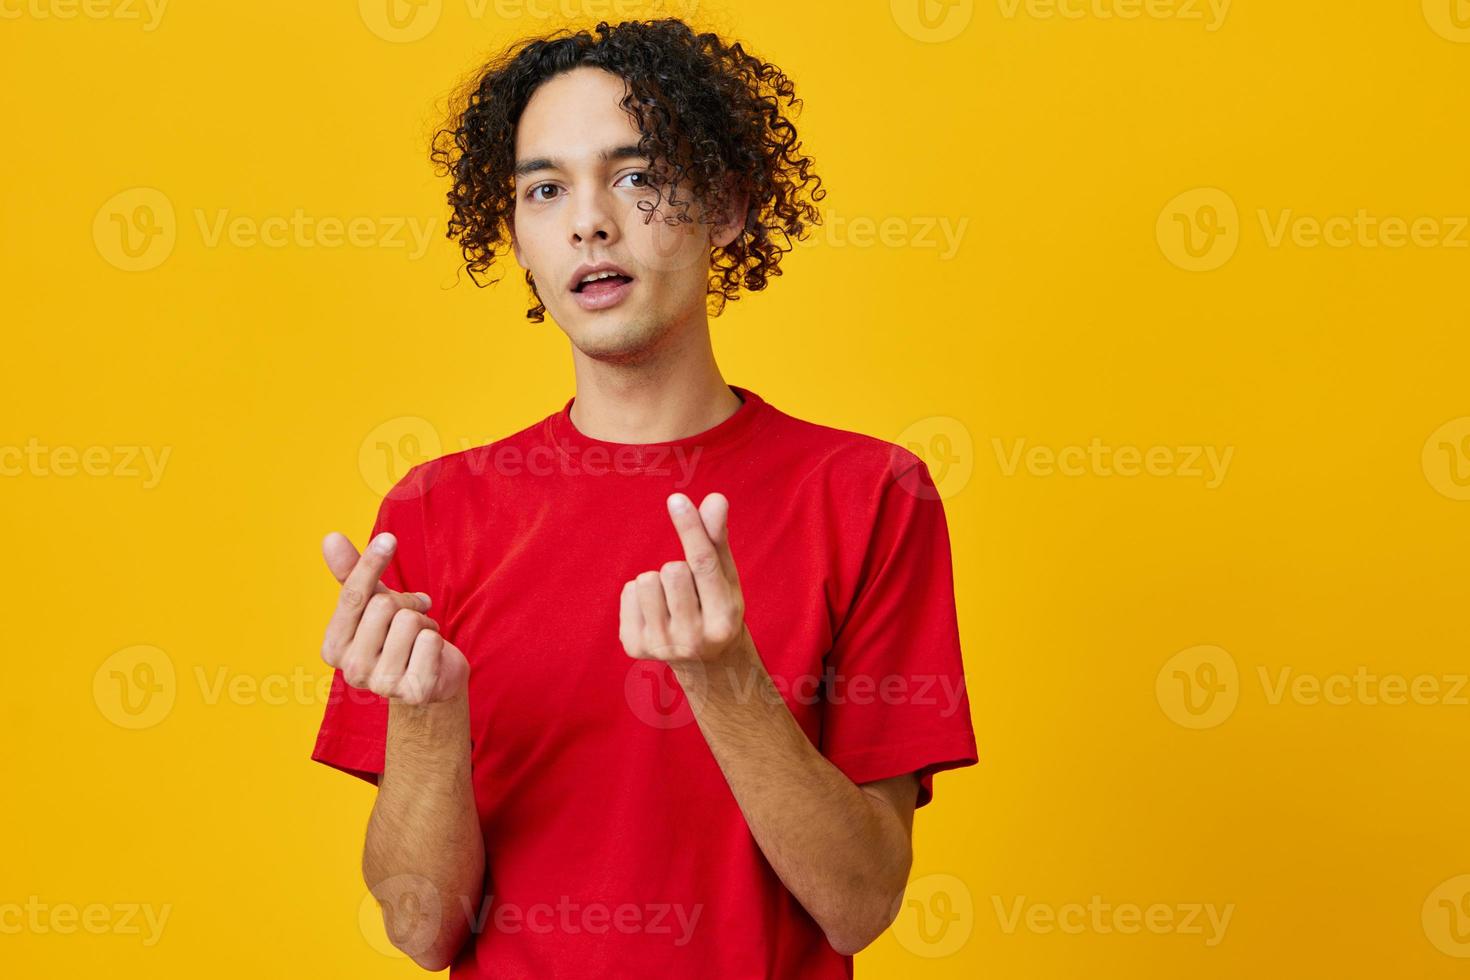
1450 19
34 916
944 444
1205 920
147 14
942 234
1200 230
1446 916
1200 687
395 446
657 699
1209 464
401 915
137 229
37 460
936 917
138 687
1446 458
1209 14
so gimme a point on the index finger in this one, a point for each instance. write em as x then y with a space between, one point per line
700 551
361 584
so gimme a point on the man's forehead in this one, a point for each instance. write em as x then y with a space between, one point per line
575 120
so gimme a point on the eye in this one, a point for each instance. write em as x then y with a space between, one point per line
644 175
531 194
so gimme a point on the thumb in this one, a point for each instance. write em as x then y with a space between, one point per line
342 557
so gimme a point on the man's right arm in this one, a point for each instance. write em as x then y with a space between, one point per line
423 859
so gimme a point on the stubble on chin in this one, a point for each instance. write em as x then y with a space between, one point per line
633 341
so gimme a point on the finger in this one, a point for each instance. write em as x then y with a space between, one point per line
419 683
682 599
714 511
630 620
392 664
655 612
359 585
341 556
367 641
700 550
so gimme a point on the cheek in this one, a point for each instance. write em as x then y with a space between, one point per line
670 253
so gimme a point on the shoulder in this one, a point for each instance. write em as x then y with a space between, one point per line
843 460
448 473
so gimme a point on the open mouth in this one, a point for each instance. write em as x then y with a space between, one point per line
604 282
600 287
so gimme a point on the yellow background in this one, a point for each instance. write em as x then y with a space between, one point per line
1057 148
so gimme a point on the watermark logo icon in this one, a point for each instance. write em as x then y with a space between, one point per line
948 451
393 448
1446 459
135 687
655 696
1198 687
135 230
1446 916
408 922
937 916
1199 230
1450 19
932 21
400 21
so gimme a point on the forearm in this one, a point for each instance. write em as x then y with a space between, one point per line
424 856
843 853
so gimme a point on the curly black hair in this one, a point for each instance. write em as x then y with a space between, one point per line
711 120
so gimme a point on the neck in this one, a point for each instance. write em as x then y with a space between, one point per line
679 392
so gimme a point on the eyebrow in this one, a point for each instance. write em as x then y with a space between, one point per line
626 152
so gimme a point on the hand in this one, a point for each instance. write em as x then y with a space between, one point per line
381 639
689 611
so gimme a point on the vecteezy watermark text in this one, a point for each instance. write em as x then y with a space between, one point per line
1099 459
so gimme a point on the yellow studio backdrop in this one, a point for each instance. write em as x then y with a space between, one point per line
1170 294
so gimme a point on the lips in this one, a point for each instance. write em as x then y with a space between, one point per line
620 276
607 287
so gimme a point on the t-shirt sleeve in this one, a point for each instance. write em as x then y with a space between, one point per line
896 699
354 727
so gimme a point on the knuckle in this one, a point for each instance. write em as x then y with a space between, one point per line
380 603
353 673
704 564
352 598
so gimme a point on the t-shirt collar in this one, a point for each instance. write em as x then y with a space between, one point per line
742 422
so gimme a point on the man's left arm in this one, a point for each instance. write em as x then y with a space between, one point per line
842 849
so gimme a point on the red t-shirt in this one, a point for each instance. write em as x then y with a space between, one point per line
614 846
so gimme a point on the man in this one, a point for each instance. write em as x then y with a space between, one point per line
654 686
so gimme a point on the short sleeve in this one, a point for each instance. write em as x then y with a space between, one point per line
354 727
895 683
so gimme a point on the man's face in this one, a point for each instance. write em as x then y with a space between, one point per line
578 184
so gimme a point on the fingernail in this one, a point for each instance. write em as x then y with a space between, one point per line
678 503
425 596
383 543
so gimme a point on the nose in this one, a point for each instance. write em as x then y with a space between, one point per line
592 219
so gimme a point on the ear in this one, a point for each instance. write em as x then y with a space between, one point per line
733 222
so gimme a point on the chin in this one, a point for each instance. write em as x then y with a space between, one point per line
613 336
